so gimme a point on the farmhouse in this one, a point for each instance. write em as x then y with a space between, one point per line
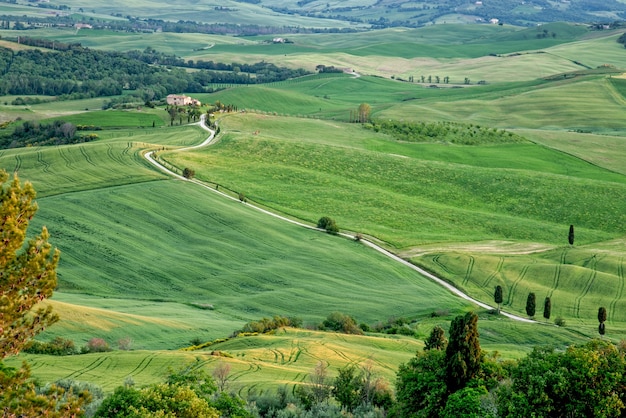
182 100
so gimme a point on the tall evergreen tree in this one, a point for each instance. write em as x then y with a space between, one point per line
601 320
547 308
463 354
497 297
531 304
570 236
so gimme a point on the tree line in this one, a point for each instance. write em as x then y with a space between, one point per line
453 132
33 133
82 72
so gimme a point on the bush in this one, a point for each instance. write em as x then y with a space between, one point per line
339 322
266 325
124 343
188 173
328 224
57 347
96 345
560 322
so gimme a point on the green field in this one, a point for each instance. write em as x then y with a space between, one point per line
165 262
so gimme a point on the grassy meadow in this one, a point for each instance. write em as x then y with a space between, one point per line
164 262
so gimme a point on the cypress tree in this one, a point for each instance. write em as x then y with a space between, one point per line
497 297
530 305
463 354
547 308
602 314
601 319
570 236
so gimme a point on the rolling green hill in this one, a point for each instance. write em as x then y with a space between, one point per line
165 262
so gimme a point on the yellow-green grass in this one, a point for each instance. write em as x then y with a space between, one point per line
151 325
585 103
404 199
258 363
287 356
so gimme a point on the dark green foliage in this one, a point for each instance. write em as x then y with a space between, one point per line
456 133
420 386
547 308
602 320
82 72
188 173
531 305
602 314
583 381
230 406
347 387
570 236
266 324
339 322
38 134
463 353
57 347
497 296
436 340
328 224
393 325
120 403
465 403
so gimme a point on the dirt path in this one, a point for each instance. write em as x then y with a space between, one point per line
441 282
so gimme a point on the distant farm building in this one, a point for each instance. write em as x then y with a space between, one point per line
182 100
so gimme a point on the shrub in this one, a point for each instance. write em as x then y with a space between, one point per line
96 345
267 324
188 173
328 224
124 343
57 347
560 322
340 322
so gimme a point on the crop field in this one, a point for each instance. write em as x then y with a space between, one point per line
165 262
285 357
295 176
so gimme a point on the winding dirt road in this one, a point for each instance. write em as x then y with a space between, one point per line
150 157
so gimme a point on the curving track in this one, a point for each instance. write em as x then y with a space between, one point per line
150 157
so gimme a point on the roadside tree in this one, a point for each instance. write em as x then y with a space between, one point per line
497 297
531 305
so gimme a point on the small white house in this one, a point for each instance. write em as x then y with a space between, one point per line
182 100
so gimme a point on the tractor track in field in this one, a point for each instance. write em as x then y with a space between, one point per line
620 289
517 281
18 163
468 272
92 366
588 284
68 162
87 157
149 155
143 364
557 273
496 272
